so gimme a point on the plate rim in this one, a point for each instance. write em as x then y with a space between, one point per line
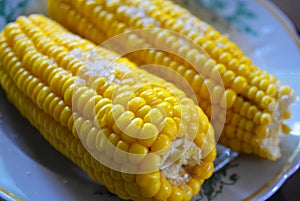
293 162
282 18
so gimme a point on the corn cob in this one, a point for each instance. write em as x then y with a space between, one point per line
256 102
133 132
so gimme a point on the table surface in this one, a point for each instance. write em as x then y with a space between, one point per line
290 191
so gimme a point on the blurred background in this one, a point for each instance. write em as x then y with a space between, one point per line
291 9
290 190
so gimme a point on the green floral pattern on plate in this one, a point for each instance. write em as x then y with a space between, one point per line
214 185
236 13
10 9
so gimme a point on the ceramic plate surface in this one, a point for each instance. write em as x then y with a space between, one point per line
30 169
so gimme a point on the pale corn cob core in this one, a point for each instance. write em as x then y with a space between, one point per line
120 124
257 103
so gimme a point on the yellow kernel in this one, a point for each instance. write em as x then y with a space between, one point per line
228 77
229 96
239 84
197 82
236 118
257 117
188 75
268 103
108 180
243 70
169 127
101 103
217 94
262 131
195 185
115 175
233 64
128 177
136 103
120 154
143 111
148 135
230 131
286 114
207 88
120 188
154 116
271 90
134 127
89 134
138 152
251 112
166 108
162 93
123 120
255 141
285 129
162 144
108 93
240 134
207 68
235 144
148 130
115 112
211 156
164 191
225 58
176 194
284 90
204 170
249 126
110 148
200 138
252 92
224 140
172 100
247 148
255 81
242 123
151 162
149 96
100 141
125 137
244 109
132 189
122 98
259 95
263 84
265 119
208 45
146 180
188 192
150 192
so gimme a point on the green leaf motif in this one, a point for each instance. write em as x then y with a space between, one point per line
236 12
9 10
214 186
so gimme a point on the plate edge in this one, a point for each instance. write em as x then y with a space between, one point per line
282 19
288 169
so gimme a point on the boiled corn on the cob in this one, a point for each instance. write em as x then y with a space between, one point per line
256 102
136 134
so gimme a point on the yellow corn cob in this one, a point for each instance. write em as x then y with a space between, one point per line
256 102
120 124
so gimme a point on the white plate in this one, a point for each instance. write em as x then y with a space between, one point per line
30 169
